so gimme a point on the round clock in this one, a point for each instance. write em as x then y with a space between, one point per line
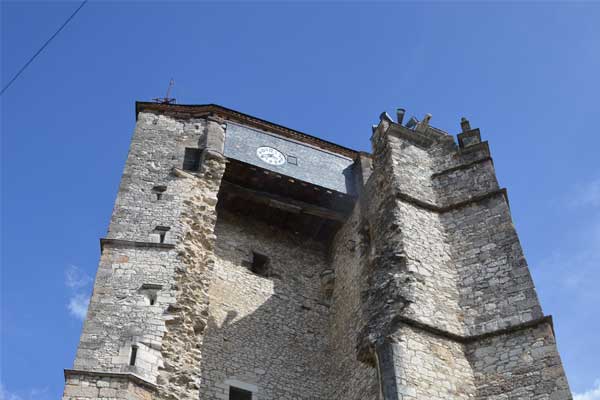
270 155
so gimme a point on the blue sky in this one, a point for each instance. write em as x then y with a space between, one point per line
527 74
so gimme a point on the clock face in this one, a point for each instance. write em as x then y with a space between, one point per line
270 155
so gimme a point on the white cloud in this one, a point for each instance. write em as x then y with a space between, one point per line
75 278
574 263
77 281
6 395
78 305
592 394
32 394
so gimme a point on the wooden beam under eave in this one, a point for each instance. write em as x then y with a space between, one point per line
281 202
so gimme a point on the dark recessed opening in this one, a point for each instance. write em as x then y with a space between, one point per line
260 264
162 232
191 159
152 299
133 355
239 394
158 191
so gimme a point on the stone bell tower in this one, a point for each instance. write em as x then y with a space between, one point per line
245 260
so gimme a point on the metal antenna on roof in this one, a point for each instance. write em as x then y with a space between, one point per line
167 99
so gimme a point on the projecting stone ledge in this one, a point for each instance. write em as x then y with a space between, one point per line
133 243
547 319
460 204
124 375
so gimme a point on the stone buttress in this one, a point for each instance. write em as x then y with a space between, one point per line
450 307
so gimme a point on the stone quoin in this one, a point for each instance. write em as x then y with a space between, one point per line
248 261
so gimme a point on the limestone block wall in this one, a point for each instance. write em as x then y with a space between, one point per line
157 146
495 284
519 365
187 318
350 379
447 273
411 166
410 273
424 292
435 295
427 366
268 333
149 301
456 185
90 386
120 314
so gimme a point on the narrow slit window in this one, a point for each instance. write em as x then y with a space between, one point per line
239 394
133 356
162 232
260 264
159 191
191 159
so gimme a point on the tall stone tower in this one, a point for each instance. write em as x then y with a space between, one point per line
249 261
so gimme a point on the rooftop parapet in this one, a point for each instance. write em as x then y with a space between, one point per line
421 133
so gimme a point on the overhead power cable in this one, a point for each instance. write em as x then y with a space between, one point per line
43 47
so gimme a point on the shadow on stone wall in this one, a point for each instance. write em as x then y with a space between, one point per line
266 331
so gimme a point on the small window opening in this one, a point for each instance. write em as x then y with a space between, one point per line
239 394
152 299
162 232
260 264
292 160
159 191
133 356
191 159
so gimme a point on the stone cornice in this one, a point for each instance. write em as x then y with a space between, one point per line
462 166
133 243
432 207
474 338
105 374
418 139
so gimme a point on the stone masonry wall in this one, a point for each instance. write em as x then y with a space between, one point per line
495 285
521 365
435 295
447 265
424 294
461 184
430 367
89 386
410 273
350 379
139 294
268 333
120 314
157 146
187 318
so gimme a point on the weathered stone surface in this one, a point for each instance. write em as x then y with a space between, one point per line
423 292
446 268
180 376
350 378
266 331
